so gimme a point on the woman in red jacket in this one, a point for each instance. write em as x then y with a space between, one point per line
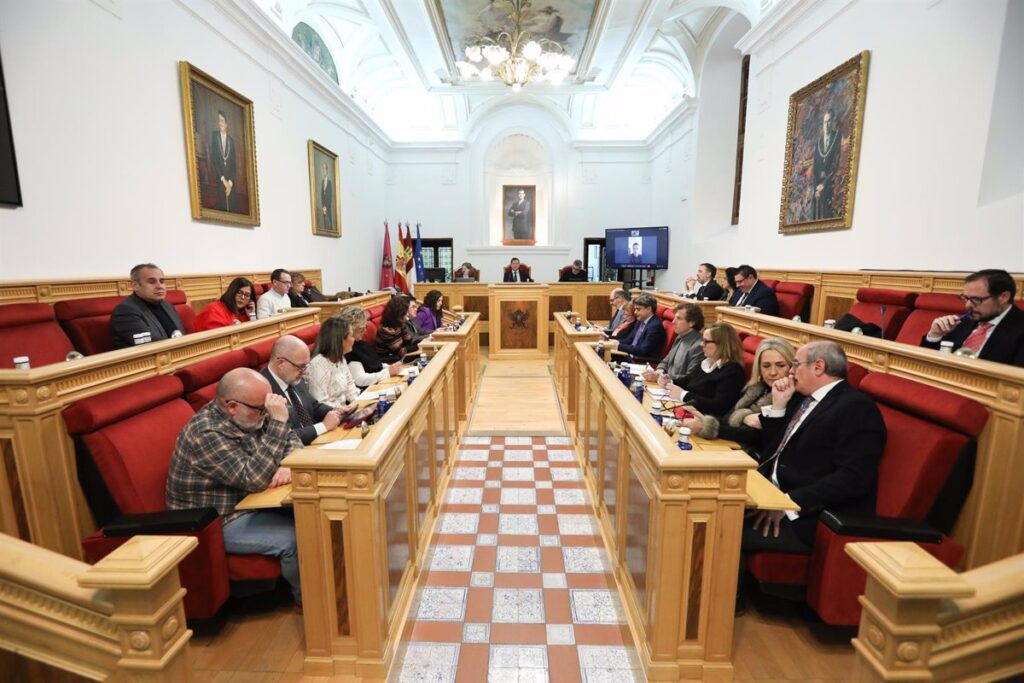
235 306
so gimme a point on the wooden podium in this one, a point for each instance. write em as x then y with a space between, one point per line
519 321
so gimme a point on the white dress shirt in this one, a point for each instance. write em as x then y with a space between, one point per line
319 426
271 303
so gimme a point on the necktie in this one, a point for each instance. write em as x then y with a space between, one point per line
639 333
700 290
976 338
743 298
791 427
305 419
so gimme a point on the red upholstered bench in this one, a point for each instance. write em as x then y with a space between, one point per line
749 344
927 308
666 315
931 433
31 330
87 321
771 283
794 299
896 304
200 380
179 300
130 434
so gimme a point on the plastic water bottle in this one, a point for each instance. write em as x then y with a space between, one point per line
22 363
796 319
423 359
577 324
600 348
684 439
141 338
944 347
624 375
382 404
638 389
411 375
656 409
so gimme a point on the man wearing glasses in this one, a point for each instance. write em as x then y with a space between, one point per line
232 447
275 299
308 417
991 326
752 292
618 298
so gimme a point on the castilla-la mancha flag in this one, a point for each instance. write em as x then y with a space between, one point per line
410 258
387 270
401 259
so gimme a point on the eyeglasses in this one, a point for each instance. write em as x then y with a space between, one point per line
285 282
300 368
258 409
241 294
974 300
798 363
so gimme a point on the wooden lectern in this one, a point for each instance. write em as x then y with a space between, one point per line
519 321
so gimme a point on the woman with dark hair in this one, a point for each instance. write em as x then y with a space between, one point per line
330 380
428 318
363 362
730 282
235 306
394 338
715 386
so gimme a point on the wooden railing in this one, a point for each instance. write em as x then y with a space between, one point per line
201 288
924 622
991 525
566 369
118 620
671 521
467 359
363 521
40 499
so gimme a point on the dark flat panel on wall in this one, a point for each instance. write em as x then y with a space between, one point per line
10 188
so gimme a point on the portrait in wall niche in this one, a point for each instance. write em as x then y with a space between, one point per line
823 136
221 150
520 215
306 37
324 193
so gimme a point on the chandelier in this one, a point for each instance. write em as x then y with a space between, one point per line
514 56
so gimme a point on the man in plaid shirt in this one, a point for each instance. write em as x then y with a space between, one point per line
230 448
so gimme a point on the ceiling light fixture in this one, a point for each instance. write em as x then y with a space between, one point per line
514 55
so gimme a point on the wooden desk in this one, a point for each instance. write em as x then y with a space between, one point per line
566 372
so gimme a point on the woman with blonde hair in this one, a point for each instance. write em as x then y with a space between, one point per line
363 362
772 360
716 384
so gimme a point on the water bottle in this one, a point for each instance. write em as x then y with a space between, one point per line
944 347
600 349
624 375
684 439
141 338
411 376
796 319
830 324
656 408
382 404
638 389
577 324
22 363
423 359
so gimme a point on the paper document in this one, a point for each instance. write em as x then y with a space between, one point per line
343 445
367 395
636 368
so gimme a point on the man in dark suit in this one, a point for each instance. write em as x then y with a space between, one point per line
648 341
515 273
752 292
308 417
519 210
993 327
704 287
618 298
145 310
223 158
823 441
327 199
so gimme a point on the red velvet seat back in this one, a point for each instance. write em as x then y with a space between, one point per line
927 308
259 354
927 430
793 298
771 283
897 307
370 335
179 300
31 330
87 322
200 380
464 273
667 315
749 344
308 334
130 433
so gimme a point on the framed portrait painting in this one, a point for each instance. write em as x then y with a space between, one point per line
823 138
519 204
220 145
324 193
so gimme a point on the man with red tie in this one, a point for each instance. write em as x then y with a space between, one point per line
992 327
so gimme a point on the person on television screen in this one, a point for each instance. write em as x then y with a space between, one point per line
635 256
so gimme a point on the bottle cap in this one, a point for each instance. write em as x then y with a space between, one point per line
141 338
796 319
946 346
21 363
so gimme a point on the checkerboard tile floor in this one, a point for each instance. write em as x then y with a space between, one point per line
517 581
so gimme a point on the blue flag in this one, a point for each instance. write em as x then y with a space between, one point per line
417 255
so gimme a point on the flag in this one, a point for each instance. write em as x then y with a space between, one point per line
387 270
418 256
401 259
410 277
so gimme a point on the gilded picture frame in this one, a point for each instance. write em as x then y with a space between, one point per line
220 148
823 138
519 215
324 190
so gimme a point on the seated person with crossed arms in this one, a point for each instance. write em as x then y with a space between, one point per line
308 417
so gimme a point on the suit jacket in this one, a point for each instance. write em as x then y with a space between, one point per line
523 277
315 408
1005 344
133 316
831 461
684 356
616 320
650 344
715 392
712 291
761 295
569 276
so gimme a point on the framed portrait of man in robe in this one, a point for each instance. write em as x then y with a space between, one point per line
823 137
221 150
324 193
519 214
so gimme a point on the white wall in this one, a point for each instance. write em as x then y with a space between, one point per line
931 99
96 113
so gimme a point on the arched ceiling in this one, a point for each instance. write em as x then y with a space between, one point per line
637 60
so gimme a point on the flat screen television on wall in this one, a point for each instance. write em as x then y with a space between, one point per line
637 247
10 190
